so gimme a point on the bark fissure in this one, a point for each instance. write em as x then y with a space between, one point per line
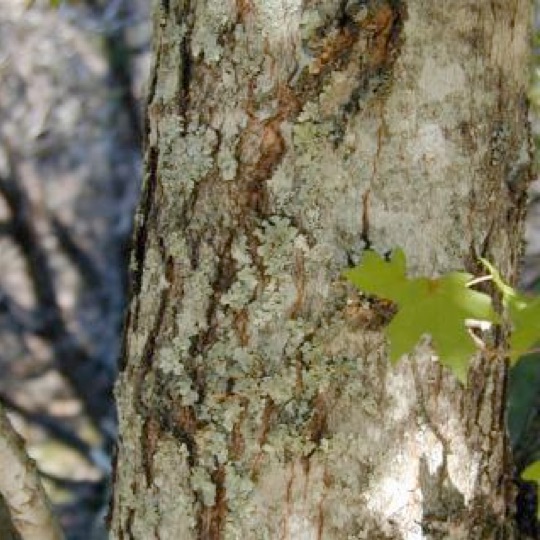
142 229
186 64
212 519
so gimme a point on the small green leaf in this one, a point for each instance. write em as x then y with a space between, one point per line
532 474
438 307
524 315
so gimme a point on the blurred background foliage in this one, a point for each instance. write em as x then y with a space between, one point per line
523 412
72 75
71 81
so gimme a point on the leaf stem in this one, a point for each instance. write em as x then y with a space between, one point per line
480 279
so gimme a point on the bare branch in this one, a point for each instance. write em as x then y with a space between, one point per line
21 489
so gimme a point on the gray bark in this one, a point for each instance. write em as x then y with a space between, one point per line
256 399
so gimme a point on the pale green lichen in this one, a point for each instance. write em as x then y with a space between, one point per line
277 239
153 274
168 361
212 444
186 160
176 508
311 21
171 364
197 295
238 487
202 484
307 135
246 54
278 21
231 415
167 86
241 291
204 42
310 113
227 161
243 361
177 247
297 331
281 386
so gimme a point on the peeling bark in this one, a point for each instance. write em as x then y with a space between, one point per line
283 139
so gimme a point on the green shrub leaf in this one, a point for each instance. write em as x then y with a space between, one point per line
523 313
532 474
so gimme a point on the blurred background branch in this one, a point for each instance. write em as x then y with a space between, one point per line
70 167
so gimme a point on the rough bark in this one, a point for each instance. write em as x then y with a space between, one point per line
284 138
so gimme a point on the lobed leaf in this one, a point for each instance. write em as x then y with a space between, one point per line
438 307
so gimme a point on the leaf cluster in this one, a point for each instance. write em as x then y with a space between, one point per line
442 308
445 308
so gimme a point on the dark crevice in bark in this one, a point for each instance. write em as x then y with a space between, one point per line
151 432
223 279
140 238
182 423
488 385
149 349
318 425
129 526
124 346
211 520
237 444
151 426
320 520
186 66
268 417
152 85
243 8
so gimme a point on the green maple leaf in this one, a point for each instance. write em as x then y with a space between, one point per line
523 312
532 474
438 307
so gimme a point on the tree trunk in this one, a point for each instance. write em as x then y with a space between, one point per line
256 399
